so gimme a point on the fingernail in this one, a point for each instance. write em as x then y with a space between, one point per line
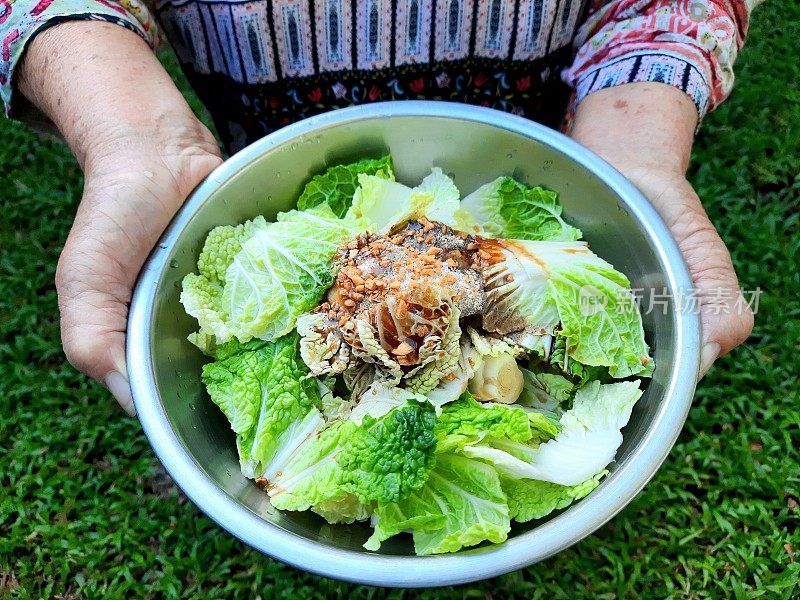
708 355
119 387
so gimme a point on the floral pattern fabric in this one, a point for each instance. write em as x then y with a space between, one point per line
21 20
260 64
690 44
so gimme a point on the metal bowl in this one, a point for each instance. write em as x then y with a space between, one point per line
474 145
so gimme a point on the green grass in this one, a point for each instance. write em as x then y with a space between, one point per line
86 511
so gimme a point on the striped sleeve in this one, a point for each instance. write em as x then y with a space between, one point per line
21 20
689 44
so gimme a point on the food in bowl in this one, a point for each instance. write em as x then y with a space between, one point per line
434 365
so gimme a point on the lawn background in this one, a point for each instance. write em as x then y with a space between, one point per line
86 510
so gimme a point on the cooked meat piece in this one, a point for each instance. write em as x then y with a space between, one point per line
404 284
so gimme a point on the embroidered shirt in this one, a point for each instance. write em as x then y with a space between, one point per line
260 64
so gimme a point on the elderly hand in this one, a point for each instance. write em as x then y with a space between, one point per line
142 151
129 196
646 130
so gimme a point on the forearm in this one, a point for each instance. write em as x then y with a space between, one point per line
102 86
639 125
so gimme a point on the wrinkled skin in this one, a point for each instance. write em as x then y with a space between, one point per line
142 152
708 259
127 201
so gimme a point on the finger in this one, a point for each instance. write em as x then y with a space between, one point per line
708 354
93 298
120 388
726 319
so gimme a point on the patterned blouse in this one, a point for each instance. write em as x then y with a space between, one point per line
260 64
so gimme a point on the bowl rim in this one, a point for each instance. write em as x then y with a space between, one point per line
579 521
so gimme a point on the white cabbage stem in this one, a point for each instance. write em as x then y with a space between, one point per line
497 380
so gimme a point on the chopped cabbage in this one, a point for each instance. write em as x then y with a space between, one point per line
443 389
505 208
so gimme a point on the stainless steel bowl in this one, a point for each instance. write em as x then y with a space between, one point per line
191 436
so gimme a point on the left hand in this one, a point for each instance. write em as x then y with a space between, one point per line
725 317
142 152
646 131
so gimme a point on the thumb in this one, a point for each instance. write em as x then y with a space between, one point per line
725 315
93 297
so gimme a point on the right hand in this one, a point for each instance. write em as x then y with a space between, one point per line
132 189
142 151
